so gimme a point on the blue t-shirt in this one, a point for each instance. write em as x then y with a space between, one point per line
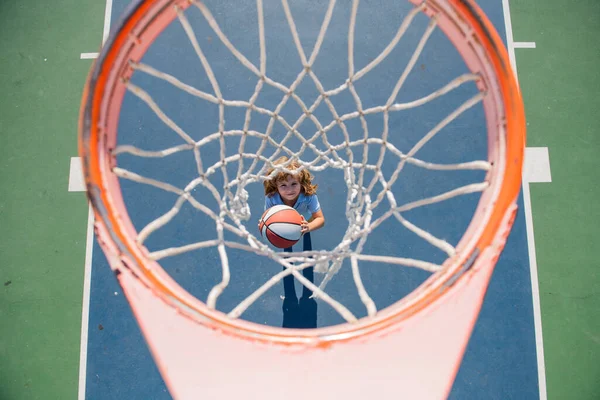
303 204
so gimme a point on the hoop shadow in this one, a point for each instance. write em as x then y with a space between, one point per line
299 313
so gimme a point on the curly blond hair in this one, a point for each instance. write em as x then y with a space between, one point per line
304 178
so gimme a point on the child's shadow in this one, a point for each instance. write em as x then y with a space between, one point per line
303 313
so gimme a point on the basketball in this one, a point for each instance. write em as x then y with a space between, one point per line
281 226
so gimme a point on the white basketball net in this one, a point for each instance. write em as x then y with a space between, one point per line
361 200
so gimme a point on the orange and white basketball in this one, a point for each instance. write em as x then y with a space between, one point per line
281 225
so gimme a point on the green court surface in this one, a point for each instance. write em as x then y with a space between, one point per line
44 225
560 82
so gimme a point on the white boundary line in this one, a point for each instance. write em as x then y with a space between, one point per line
524 45
107 15
535 289
88 56
535 292
76 181
536 168
89 247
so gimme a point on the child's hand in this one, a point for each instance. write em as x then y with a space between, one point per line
304 227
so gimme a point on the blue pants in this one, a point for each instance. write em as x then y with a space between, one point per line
303 313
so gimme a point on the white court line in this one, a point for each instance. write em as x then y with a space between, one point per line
536 168
535 292
88 56
509 35
76 181
535 287
107 15
524 45
85 314
89 247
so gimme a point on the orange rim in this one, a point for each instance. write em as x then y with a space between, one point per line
139 28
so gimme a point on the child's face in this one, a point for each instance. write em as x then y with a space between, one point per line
289 188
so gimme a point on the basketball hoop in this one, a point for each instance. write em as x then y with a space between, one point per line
398 349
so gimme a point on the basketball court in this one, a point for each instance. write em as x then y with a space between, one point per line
504 358
505 334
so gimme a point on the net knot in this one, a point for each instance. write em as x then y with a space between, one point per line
322 264
238 205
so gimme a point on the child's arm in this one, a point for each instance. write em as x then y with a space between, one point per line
316 221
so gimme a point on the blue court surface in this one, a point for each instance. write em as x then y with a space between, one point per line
500 361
